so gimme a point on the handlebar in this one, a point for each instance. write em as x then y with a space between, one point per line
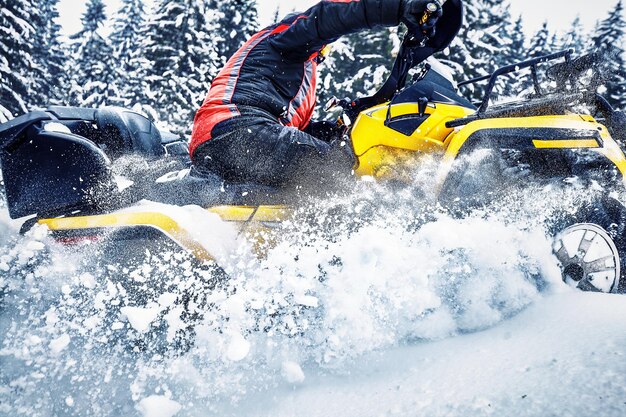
431 8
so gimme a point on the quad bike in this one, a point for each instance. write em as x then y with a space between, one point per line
59 165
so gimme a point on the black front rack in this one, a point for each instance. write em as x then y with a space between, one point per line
509 69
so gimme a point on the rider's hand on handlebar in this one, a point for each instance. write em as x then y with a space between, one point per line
421 17
325 130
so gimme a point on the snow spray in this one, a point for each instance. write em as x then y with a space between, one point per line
349 276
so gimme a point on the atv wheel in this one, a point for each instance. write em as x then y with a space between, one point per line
591 245
589 258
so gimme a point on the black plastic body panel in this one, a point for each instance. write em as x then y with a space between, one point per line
11 130
51 173
73 113
407 125
435 88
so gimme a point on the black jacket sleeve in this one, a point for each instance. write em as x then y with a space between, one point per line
328 20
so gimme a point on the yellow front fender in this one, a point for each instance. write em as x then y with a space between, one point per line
540 132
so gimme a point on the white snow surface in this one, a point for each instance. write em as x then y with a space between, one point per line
400 310
563 356
158 406
140 318
292 372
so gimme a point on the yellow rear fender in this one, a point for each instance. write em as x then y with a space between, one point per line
148 223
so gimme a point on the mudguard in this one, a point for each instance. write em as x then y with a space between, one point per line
541 132
51 173
552 136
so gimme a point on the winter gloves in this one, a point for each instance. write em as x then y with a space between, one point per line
325 130
421 16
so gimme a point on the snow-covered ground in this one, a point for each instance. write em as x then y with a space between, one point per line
564 356
403 310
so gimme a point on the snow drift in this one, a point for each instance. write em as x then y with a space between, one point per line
401 310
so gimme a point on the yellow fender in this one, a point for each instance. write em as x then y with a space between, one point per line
600 141
384 152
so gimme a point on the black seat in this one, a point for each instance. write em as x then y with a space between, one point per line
116 130
112 134
129 132
206 189
145 137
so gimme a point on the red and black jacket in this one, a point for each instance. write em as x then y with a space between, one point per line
276 69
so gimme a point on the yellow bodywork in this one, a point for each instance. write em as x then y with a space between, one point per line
384 153
249 220
381 152
387 154
573 121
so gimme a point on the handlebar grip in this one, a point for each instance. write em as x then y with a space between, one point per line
431 8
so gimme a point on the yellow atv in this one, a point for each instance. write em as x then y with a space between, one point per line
61 167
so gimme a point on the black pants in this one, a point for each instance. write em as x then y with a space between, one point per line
255 148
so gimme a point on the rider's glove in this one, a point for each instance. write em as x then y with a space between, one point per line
325 130
341 155
414 12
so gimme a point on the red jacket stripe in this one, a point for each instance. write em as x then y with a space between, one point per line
237 62
217 107
296 111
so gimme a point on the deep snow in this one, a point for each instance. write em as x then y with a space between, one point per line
403 310
563 356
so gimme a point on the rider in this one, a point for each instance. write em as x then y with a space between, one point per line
254 125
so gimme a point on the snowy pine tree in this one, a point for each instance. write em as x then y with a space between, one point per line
502 23
15 56
481 45
554 43
540 42
181 53
127 42
514 52
50 77
610 36
239 20
93 81
277 15
575 38
334 69
516 48
358 65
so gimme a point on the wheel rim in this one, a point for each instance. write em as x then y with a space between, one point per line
589 258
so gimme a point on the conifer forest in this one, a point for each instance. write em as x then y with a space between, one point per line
160 60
